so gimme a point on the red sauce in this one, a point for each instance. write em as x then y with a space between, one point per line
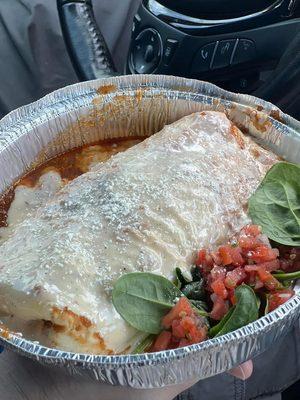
5 202
70 165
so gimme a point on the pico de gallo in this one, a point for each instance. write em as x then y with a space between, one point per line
248 259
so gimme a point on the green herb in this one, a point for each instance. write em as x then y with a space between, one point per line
194 290
196 274
142 299
201 305
181 278
286 276
244 312
275 205
286 284
144 345
201 313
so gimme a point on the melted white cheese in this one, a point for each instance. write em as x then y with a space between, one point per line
28 199
147 209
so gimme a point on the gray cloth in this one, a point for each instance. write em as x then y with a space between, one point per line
33 57
274 371
33 62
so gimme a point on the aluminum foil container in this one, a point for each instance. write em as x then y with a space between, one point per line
140 106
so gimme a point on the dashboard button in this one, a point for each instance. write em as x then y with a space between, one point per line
223 53
149 53
245 51
203 58
146 52
169 50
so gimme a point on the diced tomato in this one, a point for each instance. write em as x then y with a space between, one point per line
192 332
270 266
251 277
267 266
249 259
204 260
237 258
235 277
248 243
251 237
187 323
181 309
252 268
162 341
197 335
269 281
177 329
194 329
296 266
290 258
278 298
264 240
184 342
225 254
219 288
173 343
186 327
287 251
262 254
252 230
258 284
216 257
201 258
220 308
218 273
232 297
285 265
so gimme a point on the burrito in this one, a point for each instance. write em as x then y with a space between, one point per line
146 209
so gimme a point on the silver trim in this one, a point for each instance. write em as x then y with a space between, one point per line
158 9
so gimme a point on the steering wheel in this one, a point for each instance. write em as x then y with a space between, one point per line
91 58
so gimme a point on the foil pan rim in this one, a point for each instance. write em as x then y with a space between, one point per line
111 361
67 97
14 117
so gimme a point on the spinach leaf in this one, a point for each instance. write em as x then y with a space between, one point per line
217 328
142 299
266 311
275 205
244 312
177 282
258 301
144 345
194 290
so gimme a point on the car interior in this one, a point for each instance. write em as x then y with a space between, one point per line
247 47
